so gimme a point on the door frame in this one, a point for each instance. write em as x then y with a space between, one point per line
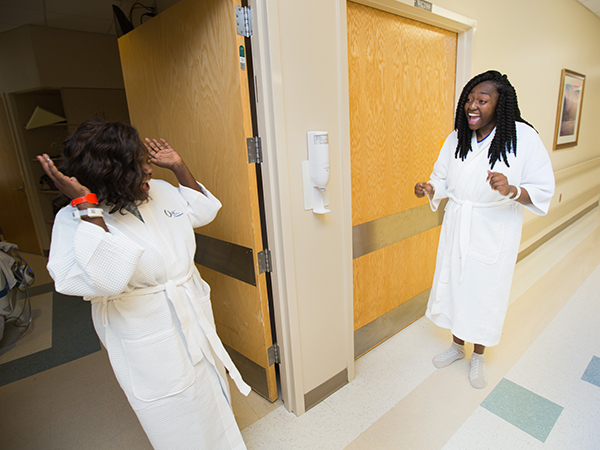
270 108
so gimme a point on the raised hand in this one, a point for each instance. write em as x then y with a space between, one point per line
162 155
66 185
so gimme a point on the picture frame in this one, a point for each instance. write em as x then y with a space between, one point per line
568 116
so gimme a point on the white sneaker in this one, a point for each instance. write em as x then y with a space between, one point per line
478 374
447 357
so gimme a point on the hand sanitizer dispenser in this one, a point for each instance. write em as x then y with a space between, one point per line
316 172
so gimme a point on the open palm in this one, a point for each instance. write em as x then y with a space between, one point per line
161 154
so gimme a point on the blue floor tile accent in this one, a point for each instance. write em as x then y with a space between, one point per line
73 337
526 410
592 373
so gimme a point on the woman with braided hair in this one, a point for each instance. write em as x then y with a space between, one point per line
491 167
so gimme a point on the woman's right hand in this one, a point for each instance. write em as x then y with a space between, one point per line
423 189
68 186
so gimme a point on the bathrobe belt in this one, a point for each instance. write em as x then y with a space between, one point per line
466 209
175 290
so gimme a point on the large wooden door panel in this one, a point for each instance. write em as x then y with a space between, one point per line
184 83
401 82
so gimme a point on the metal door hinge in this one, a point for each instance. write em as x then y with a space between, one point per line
243 20
254 150
264 261
424 4
274 357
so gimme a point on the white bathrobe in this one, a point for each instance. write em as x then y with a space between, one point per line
152 312
481 233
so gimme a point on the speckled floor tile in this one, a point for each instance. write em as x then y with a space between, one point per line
524 409
592 372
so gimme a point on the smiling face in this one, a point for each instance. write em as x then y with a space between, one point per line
480 108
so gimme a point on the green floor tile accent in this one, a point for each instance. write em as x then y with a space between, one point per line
526 410
592 373
73 337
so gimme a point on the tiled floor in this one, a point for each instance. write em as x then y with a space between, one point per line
543 392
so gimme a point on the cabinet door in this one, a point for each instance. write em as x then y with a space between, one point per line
15 216
80 105
184 83
112 105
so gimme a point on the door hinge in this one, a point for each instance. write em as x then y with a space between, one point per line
264 261
254 150
424 4
274 357
243 20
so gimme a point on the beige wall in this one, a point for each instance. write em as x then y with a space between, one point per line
311 93
532 41
545 36
303 48
18 69
33 57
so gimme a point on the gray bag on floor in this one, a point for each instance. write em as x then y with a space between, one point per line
15 309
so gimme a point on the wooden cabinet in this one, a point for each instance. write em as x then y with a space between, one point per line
81 104
75 105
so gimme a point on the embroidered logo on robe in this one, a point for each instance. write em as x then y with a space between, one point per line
172 213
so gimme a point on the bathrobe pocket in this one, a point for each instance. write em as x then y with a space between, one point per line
486 238
159 366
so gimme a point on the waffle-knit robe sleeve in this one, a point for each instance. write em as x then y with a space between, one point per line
87 261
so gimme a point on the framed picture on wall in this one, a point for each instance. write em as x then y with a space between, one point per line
568 116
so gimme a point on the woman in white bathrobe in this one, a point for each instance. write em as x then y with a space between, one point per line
129 249
490 168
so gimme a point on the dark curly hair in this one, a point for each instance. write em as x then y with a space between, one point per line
507 113
107 158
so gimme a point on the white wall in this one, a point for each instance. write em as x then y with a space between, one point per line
304 62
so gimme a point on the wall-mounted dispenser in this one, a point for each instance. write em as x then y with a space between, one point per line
315 172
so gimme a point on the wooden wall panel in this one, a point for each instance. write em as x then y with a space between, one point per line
401 79
386 278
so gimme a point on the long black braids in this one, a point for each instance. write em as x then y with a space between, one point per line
507 113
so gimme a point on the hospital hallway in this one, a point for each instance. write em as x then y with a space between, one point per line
543 391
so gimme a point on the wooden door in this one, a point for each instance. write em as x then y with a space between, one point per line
15 216
184 82
401 81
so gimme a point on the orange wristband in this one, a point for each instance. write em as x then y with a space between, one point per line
90 198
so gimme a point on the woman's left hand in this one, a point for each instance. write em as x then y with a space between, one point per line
499 182
162 155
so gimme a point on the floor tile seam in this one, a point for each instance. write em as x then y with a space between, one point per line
567 259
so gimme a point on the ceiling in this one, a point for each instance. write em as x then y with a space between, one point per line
96 15
81 15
